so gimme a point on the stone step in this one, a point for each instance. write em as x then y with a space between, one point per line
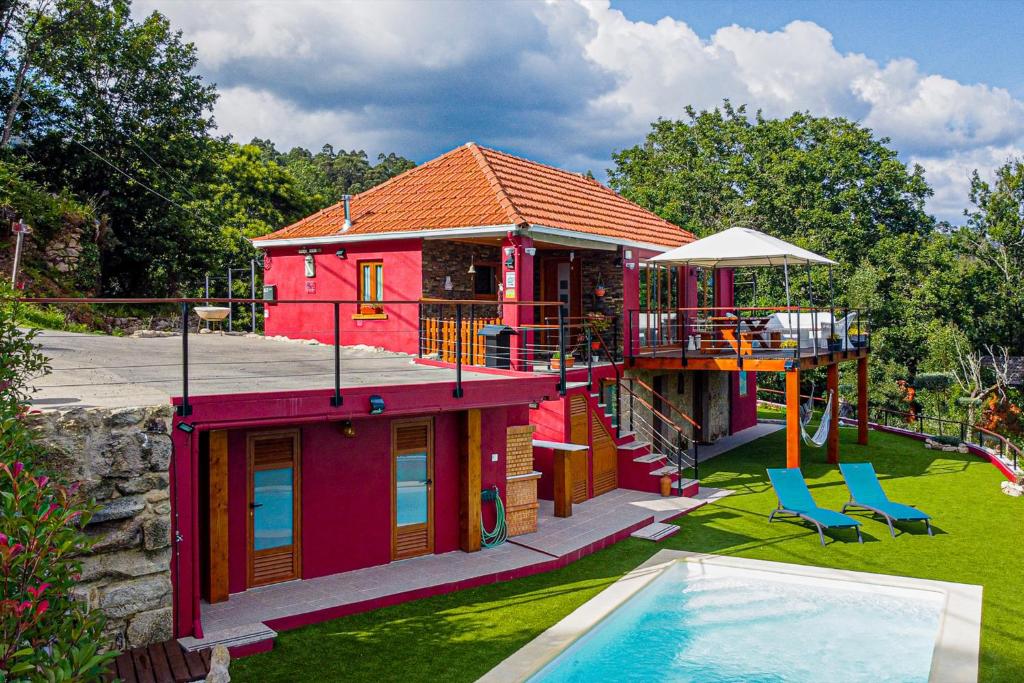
656 531
650 457
230 637
634 445
691 487
670 470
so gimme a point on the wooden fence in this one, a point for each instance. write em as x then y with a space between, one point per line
440 335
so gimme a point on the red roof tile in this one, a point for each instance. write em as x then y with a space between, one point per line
474 186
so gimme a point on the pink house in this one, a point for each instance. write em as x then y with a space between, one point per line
275 486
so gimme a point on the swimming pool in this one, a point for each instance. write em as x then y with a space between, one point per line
687 617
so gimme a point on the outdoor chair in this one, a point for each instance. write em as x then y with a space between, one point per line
795 500
866 492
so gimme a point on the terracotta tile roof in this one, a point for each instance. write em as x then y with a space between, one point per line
473 186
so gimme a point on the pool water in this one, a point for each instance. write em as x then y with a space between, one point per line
749 625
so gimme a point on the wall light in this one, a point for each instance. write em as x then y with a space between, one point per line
347 429
341 253
186 427
376 405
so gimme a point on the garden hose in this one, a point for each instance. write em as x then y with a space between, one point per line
499 535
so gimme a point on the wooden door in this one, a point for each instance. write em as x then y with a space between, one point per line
562 281
605 457
412 488
578 433
275 505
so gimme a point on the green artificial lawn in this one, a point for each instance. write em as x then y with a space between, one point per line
979 539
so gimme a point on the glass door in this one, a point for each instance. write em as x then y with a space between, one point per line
274 538
412 488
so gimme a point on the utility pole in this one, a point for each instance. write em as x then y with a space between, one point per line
20 230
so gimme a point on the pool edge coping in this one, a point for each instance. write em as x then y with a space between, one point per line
957 644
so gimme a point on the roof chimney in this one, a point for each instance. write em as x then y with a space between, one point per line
345 200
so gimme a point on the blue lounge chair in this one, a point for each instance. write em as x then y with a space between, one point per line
795 500
867 493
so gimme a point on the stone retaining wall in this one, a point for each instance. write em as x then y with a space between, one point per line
122 457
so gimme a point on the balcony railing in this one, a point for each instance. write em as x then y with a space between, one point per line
783 332
452 330
991 442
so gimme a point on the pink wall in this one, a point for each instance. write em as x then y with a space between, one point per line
346 491
337 279
743 411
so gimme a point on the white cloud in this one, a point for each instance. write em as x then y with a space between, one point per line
562 82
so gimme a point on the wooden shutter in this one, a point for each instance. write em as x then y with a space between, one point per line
605 456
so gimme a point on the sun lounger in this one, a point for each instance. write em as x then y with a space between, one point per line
795 500
866 492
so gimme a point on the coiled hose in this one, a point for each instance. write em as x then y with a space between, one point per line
499 535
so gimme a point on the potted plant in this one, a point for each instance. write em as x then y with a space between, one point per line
788 344
858 335
835 343
556 360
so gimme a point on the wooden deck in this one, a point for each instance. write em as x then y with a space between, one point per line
165 662
672 357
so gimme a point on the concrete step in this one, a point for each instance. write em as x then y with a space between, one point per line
691 487
634 445
230 637
650 457
656 531
670 470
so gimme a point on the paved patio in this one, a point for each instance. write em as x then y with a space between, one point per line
92 370
253 616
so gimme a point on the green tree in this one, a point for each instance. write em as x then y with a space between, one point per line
249 195
114 112
994 235
827 184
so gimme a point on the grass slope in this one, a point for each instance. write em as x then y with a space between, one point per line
458 637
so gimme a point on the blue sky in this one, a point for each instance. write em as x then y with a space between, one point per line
571 81
970 41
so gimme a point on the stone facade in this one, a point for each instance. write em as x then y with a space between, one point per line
716 421
122 458
442 259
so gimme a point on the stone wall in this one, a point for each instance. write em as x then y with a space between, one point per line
122 457
442 259
716 421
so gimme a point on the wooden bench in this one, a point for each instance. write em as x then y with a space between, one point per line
165 662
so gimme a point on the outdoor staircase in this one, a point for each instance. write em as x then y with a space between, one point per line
640 465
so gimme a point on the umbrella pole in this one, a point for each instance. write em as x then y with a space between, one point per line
815 330
789 305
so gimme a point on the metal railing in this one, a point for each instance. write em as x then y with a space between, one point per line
1009 452
332 330
745 332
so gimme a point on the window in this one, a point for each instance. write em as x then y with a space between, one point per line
371 288
743 383
485 282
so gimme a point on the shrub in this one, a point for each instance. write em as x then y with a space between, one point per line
44 633
947 440
934 381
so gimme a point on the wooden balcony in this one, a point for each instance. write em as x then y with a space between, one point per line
734 339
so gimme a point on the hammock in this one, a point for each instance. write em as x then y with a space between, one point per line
821 435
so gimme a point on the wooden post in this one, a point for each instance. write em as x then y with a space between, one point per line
218 512
792 418
562 484
469 484
833 416
862 401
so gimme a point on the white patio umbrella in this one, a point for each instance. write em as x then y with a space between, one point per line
742 247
